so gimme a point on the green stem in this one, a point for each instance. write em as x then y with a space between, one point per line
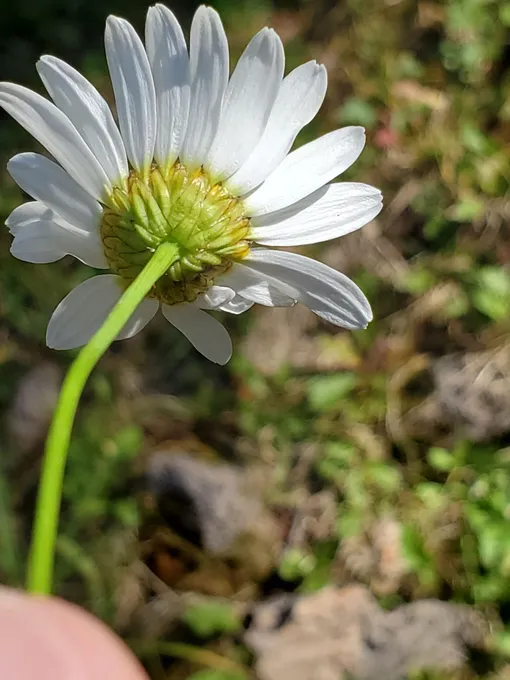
42 550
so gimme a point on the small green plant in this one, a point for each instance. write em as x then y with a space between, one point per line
208 619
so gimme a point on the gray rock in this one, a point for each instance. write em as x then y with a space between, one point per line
337 634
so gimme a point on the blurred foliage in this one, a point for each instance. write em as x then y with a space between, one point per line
431 83
209 618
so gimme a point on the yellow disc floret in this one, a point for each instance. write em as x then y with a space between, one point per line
203 219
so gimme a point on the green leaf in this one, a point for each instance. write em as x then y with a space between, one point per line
386 476
457 306
489 589
127 512
350 524
414 550
474 139
211 618
504 14
339 452
419 280
357 111
476 517
496 308
129 441
431 495
495 279
467 210
324 554
295 565
441 459
216 674
493 543
492 296
326 392
501 641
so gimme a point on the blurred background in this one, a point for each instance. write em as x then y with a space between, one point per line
330 504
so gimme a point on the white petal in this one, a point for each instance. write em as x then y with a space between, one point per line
43 236
237 305
214 298
205 333
209 75
57 134
88 112
330 212
300 97
250 96
84 310
134 91
168 57
256 287
32 211
45 181
37 243
307 169
47 241
325 291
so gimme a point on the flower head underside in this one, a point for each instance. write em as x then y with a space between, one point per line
203 219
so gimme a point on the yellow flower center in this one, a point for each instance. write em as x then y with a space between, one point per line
203 219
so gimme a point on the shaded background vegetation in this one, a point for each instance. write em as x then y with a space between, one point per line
399 434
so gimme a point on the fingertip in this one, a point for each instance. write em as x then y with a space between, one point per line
48 638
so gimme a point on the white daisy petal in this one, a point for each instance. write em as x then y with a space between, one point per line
53 129
45 241
168 57
299 99
134 91
62 237
205 333
84 310
37 243
326 292
89 113
214 298
250 96
330 212
32 211
45 181
256 287
237 305
209 66
307 169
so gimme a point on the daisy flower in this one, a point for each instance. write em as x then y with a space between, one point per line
198 159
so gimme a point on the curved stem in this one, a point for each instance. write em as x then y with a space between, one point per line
42 549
